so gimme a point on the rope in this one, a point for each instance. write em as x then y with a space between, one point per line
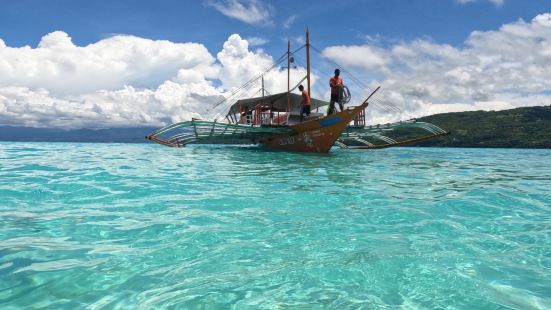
239 92
248 83
387 106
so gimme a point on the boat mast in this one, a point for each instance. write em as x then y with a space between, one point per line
262 85
288 80
308 60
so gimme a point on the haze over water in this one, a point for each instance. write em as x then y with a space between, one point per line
122 226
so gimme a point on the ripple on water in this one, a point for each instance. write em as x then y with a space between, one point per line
106 226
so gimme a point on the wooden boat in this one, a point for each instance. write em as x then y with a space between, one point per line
274 123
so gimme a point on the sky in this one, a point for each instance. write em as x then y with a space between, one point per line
118 63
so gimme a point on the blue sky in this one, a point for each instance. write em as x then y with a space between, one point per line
82 63
24 22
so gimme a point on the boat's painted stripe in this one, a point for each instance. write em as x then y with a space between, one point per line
331 121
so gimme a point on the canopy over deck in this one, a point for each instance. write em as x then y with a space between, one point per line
276 102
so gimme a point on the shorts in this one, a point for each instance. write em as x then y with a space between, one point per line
305 110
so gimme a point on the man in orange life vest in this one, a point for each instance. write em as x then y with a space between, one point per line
305 109
336 84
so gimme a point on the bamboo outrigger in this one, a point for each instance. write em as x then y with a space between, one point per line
273 122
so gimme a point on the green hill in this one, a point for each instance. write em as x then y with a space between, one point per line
517 128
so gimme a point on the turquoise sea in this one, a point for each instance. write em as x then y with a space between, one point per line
126 226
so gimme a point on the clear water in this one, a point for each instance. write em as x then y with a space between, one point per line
114 226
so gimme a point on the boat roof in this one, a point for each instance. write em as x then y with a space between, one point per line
277 102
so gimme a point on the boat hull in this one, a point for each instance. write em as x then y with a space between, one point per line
316 136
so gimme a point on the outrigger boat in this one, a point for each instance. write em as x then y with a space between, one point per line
274 123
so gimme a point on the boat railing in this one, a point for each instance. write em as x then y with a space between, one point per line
280 119
263 115
359 120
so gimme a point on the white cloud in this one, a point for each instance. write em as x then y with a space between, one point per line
500 69
63 68
256 41
239 65
289 21
495 2
252 12
123 81
170 102
131 81
357 56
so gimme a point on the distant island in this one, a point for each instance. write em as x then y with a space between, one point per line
528 127
108 135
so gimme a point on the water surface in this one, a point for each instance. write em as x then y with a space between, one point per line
122 226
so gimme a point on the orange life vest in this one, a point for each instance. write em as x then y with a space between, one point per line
338 82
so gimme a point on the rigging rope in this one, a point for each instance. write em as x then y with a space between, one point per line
249 83
240 91
244 90
387 106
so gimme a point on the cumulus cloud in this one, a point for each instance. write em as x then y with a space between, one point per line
63 68
170 102
495 70
252 12
123 81
238 63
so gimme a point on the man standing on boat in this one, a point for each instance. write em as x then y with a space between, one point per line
305 104
336 84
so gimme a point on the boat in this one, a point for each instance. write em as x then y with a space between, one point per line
273 122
